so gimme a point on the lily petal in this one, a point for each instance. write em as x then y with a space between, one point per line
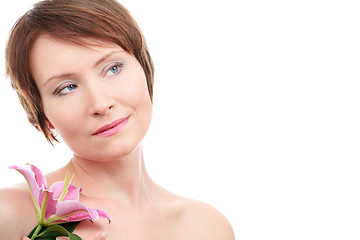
103 214
39 177
51 203
57 188
58 204
33 185
70 211
90 213
65 208
73 192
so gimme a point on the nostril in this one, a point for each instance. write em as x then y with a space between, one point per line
101 107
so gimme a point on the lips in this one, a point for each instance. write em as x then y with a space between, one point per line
111 128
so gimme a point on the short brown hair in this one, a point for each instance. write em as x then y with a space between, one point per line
72 21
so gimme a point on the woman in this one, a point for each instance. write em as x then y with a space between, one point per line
82 70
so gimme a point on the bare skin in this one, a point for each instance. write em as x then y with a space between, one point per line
150 213
79 98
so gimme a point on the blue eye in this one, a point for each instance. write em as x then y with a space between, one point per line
70 87
113 69
65 90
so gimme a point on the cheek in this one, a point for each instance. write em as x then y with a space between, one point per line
136 96
136 93
63 117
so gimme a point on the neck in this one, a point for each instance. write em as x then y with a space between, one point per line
124 180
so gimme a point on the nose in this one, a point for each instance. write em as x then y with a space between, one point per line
100 101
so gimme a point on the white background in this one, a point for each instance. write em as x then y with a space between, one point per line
256 111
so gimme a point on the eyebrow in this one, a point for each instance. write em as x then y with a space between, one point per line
66 75
106 57
102 59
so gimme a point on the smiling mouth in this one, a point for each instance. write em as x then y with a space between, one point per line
112 128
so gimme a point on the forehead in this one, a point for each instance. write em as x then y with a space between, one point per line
50 54
45 45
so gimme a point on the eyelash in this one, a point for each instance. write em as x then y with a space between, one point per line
58 90
119 65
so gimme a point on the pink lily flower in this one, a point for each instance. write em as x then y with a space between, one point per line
58 204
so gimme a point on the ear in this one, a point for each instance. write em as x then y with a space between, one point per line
50 125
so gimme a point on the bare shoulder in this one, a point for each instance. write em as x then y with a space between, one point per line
203 221
17 212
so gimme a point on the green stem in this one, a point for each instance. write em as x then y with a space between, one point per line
43 209
37 230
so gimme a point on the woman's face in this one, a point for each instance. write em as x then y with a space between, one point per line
95 97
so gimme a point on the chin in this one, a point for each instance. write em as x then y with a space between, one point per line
109 153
